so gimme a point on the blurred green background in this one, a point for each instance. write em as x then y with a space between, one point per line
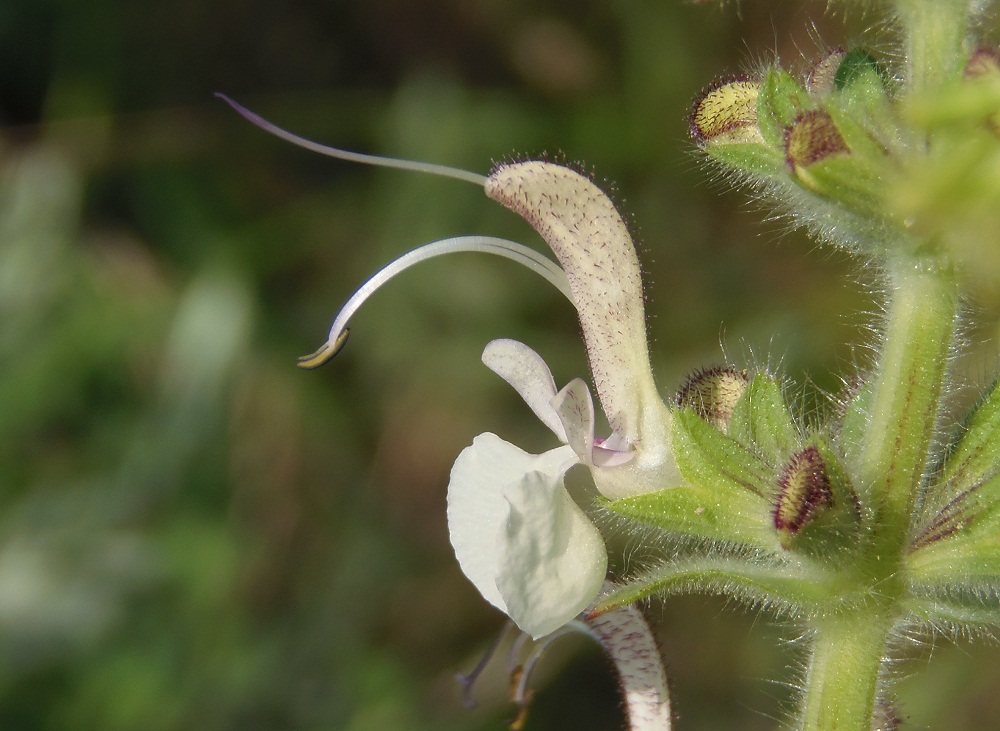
194 534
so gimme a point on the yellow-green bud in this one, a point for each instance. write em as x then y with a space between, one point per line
727 113
713 394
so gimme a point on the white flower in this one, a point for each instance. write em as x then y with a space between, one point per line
518 535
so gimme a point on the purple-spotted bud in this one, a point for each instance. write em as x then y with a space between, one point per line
983 62
817 510
822 76
821 160
727 113
713 394
804 491
811 138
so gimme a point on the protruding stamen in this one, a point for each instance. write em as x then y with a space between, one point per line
377 160
469 680
327 352
484 244
519 692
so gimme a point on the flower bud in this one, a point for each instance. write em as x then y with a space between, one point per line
812 137
724 124
727 113
983 62
984 66
804 491
817 511
821 161
713 394
821 79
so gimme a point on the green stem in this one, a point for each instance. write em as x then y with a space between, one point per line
906 391
934 37
843 680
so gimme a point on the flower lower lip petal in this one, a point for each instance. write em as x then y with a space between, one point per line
477 509
553 560
575 408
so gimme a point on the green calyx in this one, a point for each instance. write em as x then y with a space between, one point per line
824 145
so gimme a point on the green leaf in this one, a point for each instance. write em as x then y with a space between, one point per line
960 545
781 100
762 421
976 457
957 105
857 130
962 608
862 106
710 459
753 159
703 513
860 72
966 495
849 181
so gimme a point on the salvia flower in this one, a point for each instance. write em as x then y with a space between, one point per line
518 535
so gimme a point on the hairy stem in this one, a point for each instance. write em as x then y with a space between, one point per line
906 391
934 37
843 677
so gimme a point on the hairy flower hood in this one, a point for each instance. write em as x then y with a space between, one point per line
592 244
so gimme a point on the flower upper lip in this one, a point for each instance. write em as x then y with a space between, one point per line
592 243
